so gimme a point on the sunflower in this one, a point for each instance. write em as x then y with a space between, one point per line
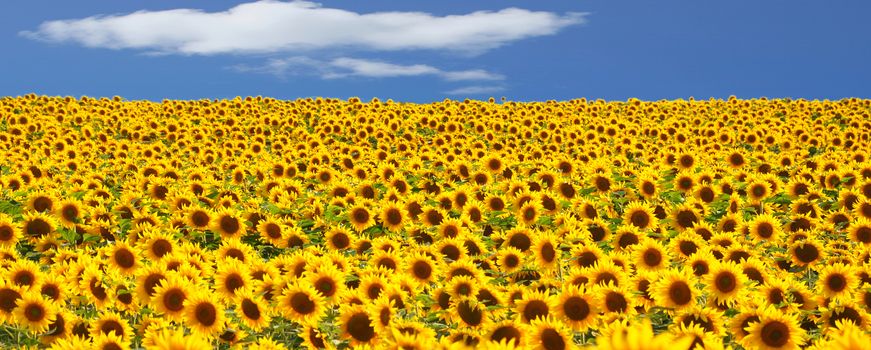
550 334
252 311
170 296
231 278
272 230
507 332
647 186
313 338
837 280
393 216
54 288
615 301
765 227
421 268
774 330
650 256
24 274
625 237
725 282
806 252
157 244
533 305
69 212
619 335
110 322
576 308
38 225
675 289
233 248
451 228
685 216
338 238
41 201
473 211
328 280
586 255
302 303
123 257
34 312
844 311
228 223
357 326
198 218
110 341
640 215
546 251
10 232
203 313
859 231
529 212
360 217
510 259
60 328
93 285
686 244
685 181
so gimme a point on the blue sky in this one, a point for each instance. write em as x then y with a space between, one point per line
426 51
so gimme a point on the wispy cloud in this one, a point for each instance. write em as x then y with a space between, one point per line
344 67
475 90
275 26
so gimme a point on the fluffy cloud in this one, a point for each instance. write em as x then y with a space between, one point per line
274 26
354 67
475 90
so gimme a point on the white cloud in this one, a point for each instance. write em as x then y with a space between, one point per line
354 67
475 90
274 26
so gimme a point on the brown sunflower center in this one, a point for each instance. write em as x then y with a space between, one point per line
206 314
110 326
23 278
229 224
340 240
471 315
301 303
836 282
679 292
6 233
161 247
725 282
233 282
552 340
548 254
775 334
393 216
174 299
765 230
507 332
250 309
807 253
124 258
535 309
37 228
576 308
616 302
360 327
273 230
200 218
639 218
652 257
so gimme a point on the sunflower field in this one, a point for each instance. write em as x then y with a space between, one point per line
256 223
